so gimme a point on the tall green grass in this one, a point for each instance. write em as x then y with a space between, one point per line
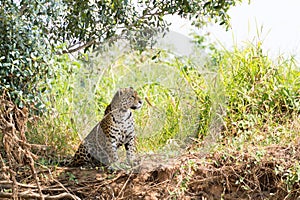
261 94
239 94
57 128
177 107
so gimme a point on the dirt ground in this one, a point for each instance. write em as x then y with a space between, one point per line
190 176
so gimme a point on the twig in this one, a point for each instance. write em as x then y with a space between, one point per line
36 178
147 100
59 183
9 184
112 180
32 195
124 185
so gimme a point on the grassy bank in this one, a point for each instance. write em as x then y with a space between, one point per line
236 97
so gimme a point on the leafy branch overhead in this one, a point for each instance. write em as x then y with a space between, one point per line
33 31
93 22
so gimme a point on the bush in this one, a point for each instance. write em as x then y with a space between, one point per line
26 50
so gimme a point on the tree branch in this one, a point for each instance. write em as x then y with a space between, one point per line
91 42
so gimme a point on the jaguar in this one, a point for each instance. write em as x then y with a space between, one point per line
116 128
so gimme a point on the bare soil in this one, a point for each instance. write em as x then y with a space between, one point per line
239 175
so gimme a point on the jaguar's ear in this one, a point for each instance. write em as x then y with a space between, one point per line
120 92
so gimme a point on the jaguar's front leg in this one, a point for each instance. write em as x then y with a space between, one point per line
131 151
113 156
112 151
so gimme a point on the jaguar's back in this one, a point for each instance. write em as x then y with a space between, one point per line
115 129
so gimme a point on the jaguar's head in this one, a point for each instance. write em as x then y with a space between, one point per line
127 98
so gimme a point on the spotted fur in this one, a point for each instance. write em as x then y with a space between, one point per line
114 130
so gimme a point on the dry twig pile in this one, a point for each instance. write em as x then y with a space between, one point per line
17 155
